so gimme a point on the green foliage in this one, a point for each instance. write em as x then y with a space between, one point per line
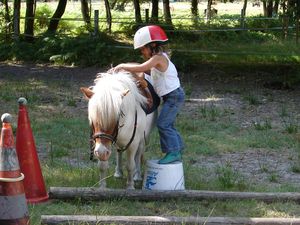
42 15
228 178
82 50
261 22
221 40
5 26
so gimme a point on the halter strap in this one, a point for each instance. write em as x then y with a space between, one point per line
132 136
113 137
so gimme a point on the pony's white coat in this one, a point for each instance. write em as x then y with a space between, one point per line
108 100
108 106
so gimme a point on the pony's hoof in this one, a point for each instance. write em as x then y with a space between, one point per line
118 174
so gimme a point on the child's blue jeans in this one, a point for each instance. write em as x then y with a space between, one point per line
170 139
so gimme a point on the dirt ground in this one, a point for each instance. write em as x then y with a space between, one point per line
211 85
228 92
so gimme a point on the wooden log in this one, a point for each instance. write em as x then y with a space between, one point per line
92 219
67 193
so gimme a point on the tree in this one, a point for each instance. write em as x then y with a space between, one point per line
167 13
270 7
243 13
29 20
208 11
60 10
137 11
290 11
16 22
6 16
108 14
85 12
194 10
154 11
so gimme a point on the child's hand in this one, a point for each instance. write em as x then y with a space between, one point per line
141 82
117 68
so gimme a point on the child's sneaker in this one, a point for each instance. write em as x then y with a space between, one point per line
170 157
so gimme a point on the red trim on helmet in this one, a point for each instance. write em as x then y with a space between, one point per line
157 33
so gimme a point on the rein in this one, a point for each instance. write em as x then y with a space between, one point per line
112 137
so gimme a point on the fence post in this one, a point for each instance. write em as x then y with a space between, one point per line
96 22
147 15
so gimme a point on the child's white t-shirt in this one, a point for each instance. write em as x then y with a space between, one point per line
165 82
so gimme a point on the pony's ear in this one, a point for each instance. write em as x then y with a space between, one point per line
88 93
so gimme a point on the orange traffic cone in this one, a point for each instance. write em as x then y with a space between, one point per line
34 184
13 206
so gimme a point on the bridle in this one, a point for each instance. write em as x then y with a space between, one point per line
112 137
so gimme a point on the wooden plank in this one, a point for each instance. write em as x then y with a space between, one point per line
66 193
92 219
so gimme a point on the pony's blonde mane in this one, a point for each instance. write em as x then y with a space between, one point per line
109 101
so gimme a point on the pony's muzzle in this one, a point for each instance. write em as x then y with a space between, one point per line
103 155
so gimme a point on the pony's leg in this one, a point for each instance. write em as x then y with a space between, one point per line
130 168
118 169
103 166
138 158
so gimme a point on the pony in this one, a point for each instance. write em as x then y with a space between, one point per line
117 118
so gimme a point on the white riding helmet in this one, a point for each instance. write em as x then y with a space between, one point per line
148 34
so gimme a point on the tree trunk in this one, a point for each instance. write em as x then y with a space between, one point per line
108 15
208 11
17 8
137 11
243 13
7 19
276 7
7 16
29 20
285 20
194 9
85 13
245 7
167 12
60 10
154 12
265 8
268 8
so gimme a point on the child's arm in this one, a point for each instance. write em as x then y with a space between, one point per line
155 61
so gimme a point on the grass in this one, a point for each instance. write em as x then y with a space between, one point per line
170 208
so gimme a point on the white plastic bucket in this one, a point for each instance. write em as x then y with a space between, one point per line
163 176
